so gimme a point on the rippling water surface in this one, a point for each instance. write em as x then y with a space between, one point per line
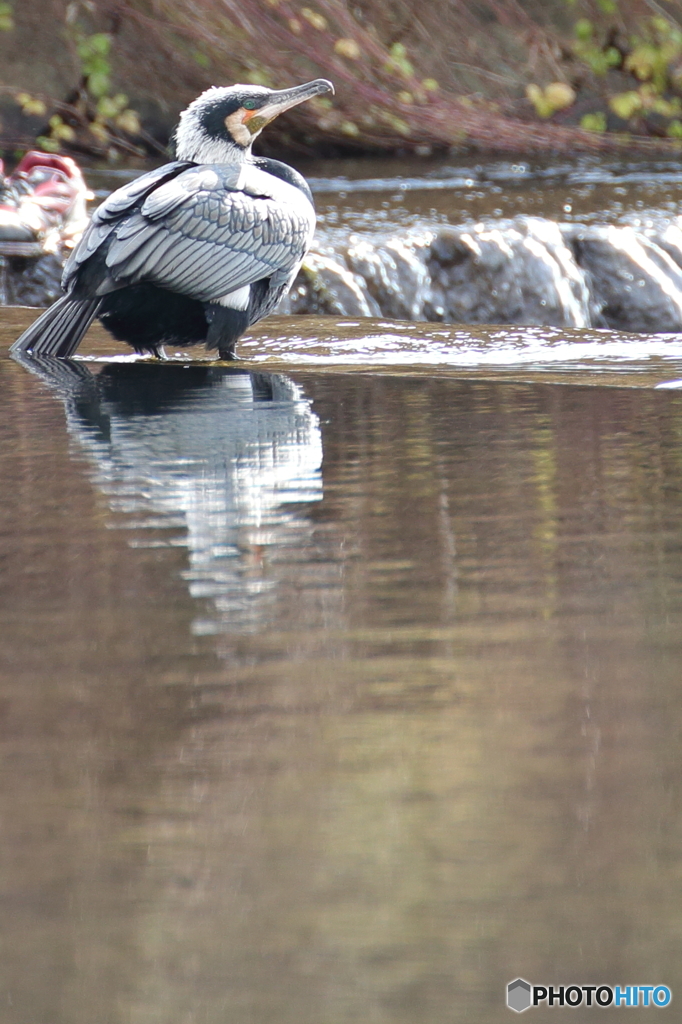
334 696
370 196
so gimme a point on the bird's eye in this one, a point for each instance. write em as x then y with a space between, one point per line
249 104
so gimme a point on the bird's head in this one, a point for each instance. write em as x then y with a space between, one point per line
221 124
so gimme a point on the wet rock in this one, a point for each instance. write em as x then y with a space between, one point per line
31 282
515 273
324 286
521 273
634 281
395 275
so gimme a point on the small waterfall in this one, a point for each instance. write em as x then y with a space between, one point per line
518 273
395 275
524 271
635 277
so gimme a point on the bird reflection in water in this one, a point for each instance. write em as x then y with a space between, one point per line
224 456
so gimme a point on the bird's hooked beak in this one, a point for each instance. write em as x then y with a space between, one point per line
283 100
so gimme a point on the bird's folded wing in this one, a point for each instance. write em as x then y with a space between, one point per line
114 208
125 198
207 240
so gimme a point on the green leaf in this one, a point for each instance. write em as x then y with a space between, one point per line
661 25
594 122
98 84
48 144
106 107
97 65
258 76
6 19
100 43
625 104
583 29
129 122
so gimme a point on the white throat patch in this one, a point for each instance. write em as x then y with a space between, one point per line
238 130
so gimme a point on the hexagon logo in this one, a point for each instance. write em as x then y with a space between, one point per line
518 995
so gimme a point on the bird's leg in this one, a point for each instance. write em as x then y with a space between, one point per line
225 327
151 352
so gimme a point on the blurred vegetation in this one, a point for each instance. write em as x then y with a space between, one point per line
497 75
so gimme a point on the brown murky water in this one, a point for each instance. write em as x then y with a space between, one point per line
335 696
410 195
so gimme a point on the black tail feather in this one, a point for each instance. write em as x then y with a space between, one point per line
60 329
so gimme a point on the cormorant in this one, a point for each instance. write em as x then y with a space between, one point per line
196 250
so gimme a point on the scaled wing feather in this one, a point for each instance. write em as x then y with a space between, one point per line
198 235
128 196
